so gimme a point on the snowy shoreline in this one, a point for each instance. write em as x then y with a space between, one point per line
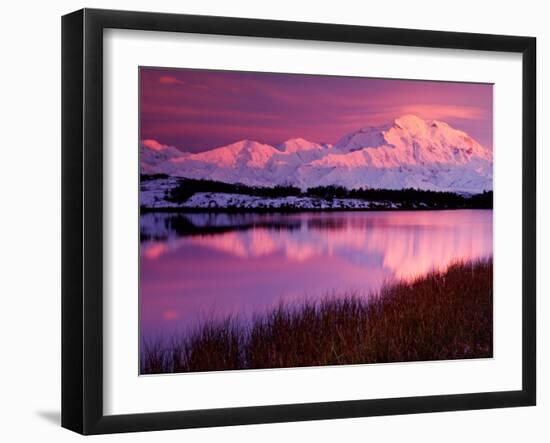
154 196
218 201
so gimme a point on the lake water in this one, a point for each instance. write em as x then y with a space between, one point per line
206 265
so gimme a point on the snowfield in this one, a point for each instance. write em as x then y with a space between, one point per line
153 196
239 201
408 152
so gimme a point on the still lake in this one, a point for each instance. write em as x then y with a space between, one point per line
197 266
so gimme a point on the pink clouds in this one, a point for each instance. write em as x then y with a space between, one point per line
197 110
443 112
169 80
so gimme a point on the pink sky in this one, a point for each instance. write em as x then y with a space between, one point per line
196 110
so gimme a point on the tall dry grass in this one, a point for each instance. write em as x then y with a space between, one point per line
441 316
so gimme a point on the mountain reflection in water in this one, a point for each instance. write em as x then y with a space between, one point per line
202 265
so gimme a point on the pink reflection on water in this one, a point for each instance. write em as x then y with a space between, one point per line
154 250
170 314
252 264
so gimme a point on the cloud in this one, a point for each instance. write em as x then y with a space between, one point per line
170 80
442 112
202 109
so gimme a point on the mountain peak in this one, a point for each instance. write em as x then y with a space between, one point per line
152 153
410 121
154 145
244 144
298 144
296 140
407 152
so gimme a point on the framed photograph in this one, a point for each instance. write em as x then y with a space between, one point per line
268 221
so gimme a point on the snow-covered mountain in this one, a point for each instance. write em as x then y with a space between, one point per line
408 152
153 154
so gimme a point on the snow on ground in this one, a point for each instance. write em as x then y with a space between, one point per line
154 192
218 200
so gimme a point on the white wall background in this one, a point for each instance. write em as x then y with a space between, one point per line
30 219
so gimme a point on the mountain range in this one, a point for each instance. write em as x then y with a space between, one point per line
408 152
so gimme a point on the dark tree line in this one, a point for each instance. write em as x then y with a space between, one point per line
147 177
408 197
186 188
404 198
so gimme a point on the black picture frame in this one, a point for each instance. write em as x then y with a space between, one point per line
82 221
